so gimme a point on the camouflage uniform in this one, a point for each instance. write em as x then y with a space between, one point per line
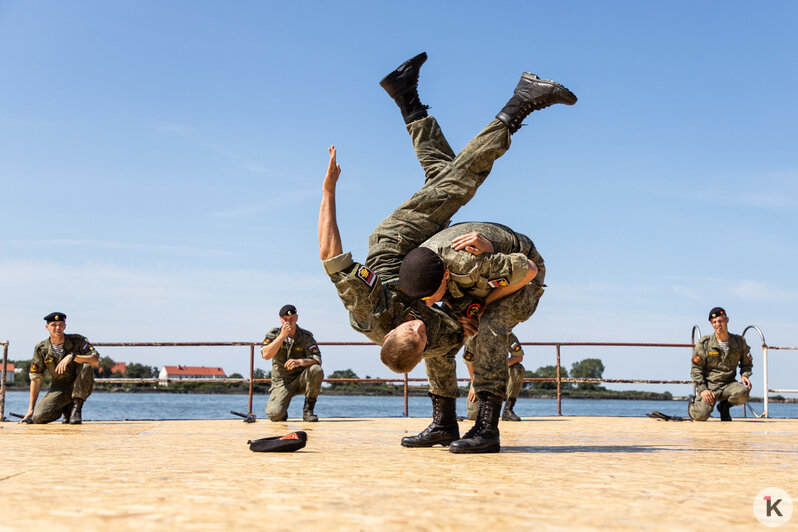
371 293
303 380
76 382
474 276
714 370
516 373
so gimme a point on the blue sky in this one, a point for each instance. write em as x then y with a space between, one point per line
161 162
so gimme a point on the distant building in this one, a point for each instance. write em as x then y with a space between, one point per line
189 373
9 373
119 367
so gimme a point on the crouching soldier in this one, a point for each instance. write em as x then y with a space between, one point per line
69 359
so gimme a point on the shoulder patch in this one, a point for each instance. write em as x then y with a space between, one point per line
696 359
473 310
749 357
468 356
498 283
34 368
366 275
314 349
267 341
515 346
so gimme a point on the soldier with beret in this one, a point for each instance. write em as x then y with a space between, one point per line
407 328
492 263
296 366
714 368
68 358
514 381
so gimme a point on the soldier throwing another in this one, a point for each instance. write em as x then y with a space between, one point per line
68 358
715 360
296 366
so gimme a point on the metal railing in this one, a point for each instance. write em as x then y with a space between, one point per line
3 384
405 380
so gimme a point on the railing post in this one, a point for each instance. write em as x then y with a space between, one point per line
559 384
407 405
251 375
765 377
3 384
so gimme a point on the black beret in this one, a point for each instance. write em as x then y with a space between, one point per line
279 444
421 273
715 312
287 310
55 316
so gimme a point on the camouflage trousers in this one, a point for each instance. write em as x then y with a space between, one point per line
491 343
514 383
60 395
734 392
307 383
451 182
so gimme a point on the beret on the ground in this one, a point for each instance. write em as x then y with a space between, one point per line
279 444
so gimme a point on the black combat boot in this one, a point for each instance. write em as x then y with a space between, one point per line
402 86
723 408
307 411
77 412
508 414
67 412
443 429
484 435
532 94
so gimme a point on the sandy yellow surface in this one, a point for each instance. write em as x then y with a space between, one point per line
553 473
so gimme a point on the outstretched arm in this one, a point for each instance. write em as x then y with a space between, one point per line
329 237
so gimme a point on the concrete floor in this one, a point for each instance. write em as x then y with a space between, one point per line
554 473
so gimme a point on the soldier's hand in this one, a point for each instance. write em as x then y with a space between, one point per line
473 243
746 381
472 395
333 171
27 417
292 363
708 397
470 325
61 367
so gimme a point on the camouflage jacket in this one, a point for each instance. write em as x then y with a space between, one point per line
712 368
375 308
47 358
303 345
476 275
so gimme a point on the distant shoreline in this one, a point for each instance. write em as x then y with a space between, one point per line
626 395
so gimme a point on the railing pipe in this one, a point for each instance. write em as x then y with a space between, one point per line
559 384
407 393
251 375
3 384
764 367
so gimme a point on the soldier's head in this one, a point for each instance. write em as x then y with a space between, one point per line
719 320
401 351
423 275
55 324
288 315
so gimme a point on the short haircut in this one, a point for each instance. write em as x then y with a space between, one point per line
401 353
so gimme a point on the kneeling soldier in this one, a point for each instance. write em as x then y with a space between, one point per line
715 360
296 366
68 358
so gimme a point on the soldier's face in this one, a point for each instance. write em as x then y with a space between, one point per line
290 320
720 324
56 328
439 293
